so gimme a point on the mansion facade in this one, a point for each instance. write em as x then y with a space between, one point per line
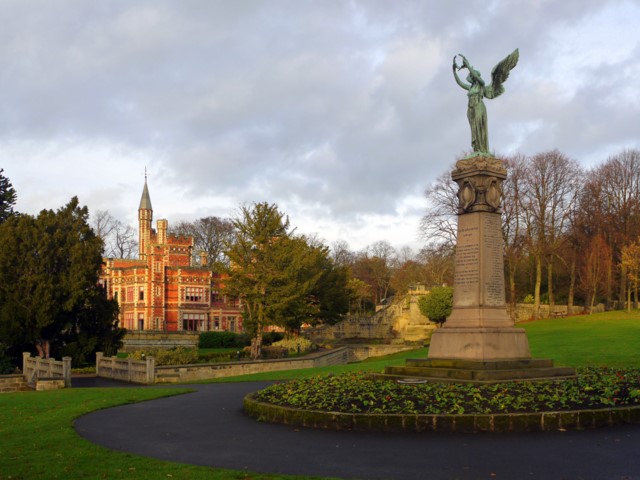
164 289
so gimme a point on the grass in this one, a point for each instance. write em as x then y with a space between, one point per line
37 440
602 339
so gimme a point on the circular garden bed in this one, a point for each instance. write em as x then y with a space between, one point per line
597 397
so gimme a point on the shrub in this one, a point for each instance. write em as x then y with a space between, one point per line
528 299
223 340
292 344
437 305
270 337
175 356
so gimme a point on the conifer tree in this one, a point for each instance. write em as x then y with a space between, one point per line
8 197
49 292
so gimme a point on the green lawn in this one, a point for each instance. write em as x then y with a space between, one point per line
37 439
602 339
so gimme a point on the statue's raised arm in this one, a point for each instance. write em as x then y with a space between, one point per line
477 91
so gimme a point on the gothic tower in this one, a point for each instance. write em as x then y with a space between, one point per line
145 216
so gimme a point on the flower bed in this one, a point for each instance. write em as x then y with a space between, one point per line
604 396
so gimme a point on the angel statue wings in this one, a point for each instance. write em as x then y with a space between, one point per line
477 91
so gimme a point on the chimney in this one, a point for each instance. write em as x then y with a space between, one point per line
204 258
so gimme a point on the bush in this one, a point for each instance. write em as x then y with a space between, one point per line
529 300
223 340
6 365
292 344
437 305
213 357
270 337
175 356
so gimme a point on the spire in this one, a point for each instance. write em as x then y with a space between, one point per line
145 201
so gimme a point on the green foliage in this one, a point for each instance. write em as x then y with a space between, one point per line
174 356
223 340
8 198
7 365
529 299
437 305
49 291
223 356
292 344
282 279
358 393
270 337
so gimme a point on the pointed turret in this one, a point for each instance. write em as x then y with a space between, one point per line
145 217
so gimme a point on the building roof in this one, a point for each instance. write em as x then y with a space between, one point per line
145 201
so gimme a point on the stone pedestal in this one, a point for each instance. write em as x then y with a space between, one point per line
479 327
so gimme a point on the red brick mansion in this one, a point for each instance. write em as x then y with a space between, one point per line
164 289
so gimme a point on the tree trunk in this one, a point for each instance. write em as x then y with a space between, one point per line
572 285
552 302
629 300
512 287
623 283
536 292
593 300
256 346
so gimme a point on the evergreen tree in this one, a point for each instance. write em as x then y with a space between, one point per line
282 280
49 292
437 305
8 197
252 265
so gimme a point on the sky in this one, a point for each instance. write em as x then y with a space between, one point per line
340 112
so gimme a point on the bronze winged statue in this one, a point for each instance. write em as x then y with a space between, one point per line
477 91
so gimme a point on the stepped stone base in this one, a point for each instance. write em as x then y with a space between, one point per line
470 371
479 343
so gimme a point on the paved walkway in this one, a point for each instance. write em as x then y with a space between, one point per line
209 428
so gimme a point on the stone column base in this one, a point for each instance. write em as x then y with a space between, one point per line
469 343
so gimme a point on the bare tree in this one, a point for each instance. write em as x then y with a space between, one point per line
513 231
550 190
210 234
593 269
119 239
439 223
123 241
341 253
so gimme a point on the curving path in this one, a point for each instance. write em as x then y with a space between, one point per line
209 428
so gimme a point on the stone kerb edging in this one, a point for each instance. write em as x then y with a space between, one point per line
468 423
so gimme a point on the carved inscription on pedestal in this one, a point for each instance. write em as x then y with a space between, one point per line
467 263
479 275
493 268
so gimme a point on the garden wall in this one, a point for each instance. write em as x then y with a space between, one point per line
524 311
145 340
13 383
189 373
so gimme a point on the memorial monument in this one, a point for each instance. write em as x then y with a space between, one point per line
479 341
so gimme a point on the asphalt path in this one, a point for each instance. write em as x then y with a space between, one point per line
209 428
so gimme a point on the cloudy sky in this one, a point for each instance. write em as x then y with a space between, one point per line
340 112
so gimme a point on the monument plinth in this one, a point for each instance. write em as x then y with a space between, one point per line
479 327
